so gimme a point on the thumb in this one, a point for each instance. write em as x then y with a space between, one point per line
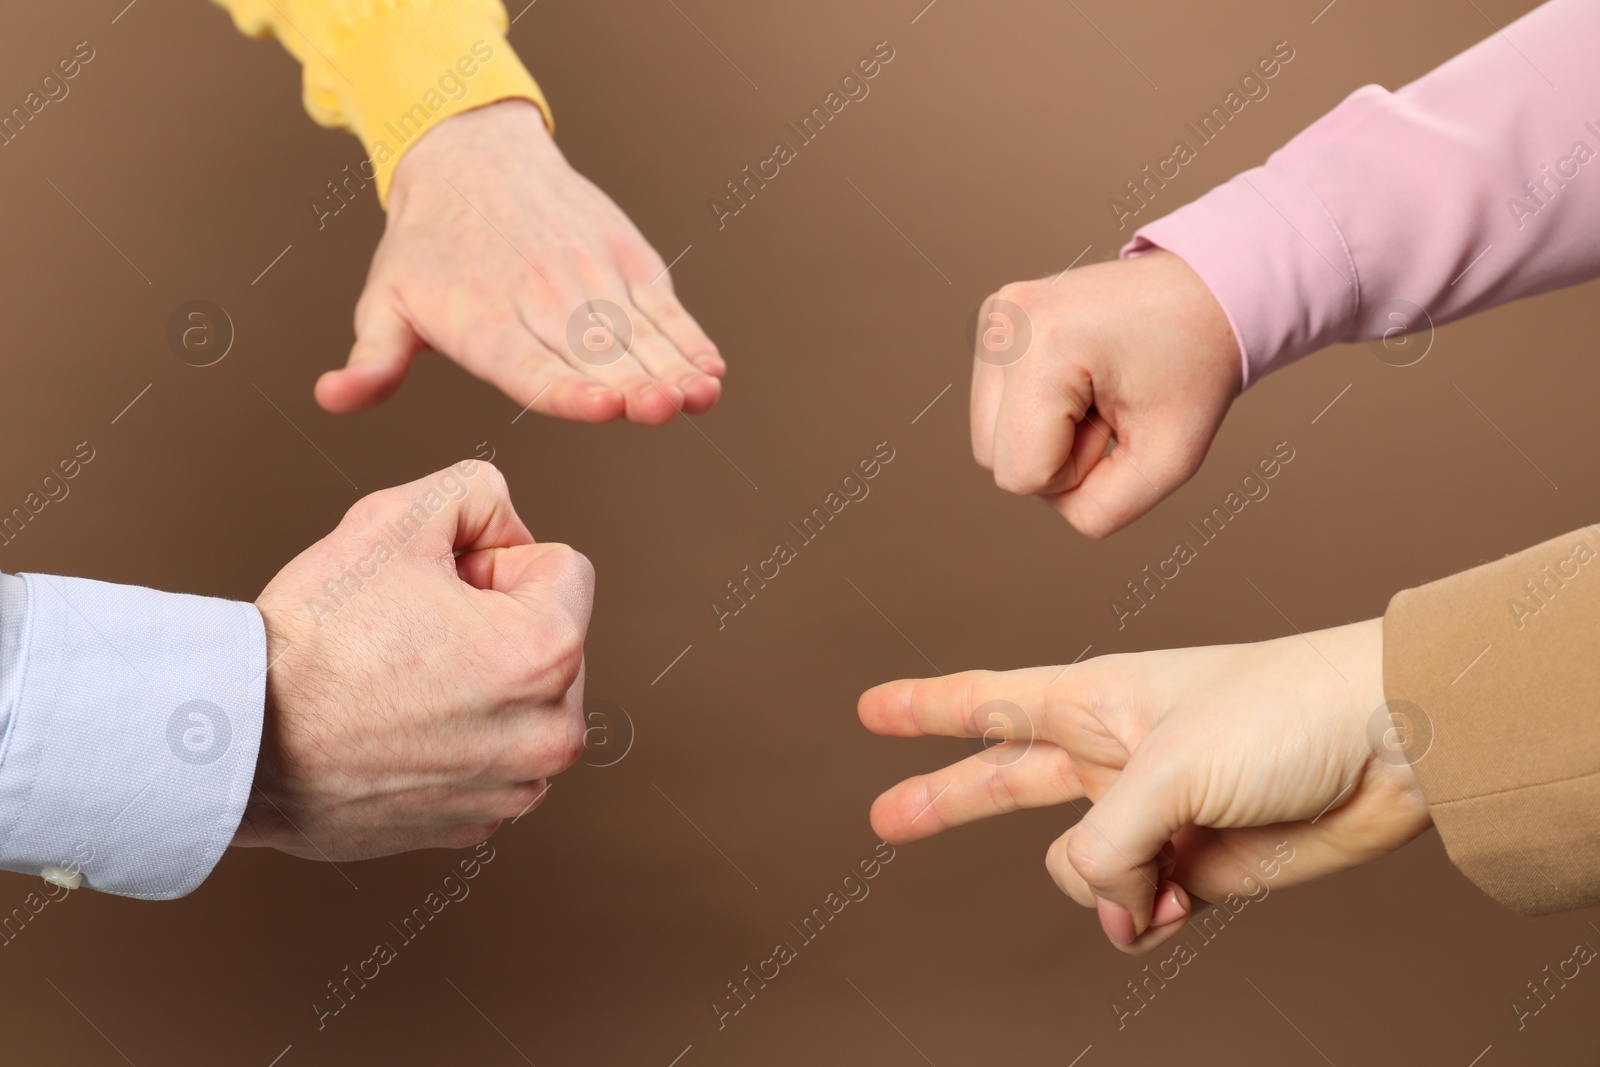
541 576
1119 486
449 514
1116 849
385 345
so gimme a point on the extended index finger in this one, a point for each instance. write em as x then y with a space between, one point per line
958 705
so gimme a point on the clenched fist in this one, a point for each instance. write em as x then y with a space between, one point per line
1100 392
426 674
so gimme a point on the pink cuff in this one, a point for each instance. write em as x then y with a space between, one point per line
1272 255
1476 184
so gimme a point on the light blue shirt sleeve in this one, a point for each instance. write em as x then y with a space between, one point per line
130 720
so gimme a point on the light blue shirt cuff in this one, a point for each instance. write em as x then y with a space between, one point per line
130 720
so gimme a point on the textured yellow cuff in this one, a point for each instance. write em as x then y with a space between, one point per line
404 71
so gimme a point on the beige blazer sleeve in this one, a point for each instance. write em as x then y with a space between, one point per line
1500 665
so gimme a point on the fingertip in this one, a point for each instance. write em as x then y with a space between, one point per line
885 709
328 394
384 347
601 404
570 397
1117 922
1172 906
1172 909
700 393
654 403
869 709
883 823
353 388
866 706
711 363
907 811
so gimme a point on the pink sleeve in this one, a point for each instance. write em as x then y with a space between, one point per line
1476 184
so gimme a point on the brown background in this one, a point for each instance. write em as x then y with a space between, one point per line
607 924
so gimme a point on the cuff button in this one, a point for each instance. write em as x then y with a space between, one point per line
62 877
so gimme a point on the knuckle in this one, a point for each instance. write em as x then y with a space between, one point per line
492 479
1016 292
361 512
1052 335
535 277
547 674
562 670
563 666
550 744
648 258
651 269
577 566
669 310
547 667
574 739
643 328
564 741
590 270
1086 855
972 682
1027 295
573 575
638 256
1002 791
522 799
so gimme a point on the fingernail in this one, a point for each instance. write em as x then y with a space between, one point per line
708 364
1169 906
1116 921
601 390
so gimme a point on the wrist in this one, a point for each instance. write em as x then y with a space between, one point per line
470 134
263 821
1397 734
1362 663
1211 332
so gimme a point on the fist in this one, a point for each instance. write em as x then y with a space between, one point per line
1100 392
426 674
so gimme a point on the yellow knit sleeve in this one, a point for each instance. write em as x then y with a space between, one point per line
389 70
